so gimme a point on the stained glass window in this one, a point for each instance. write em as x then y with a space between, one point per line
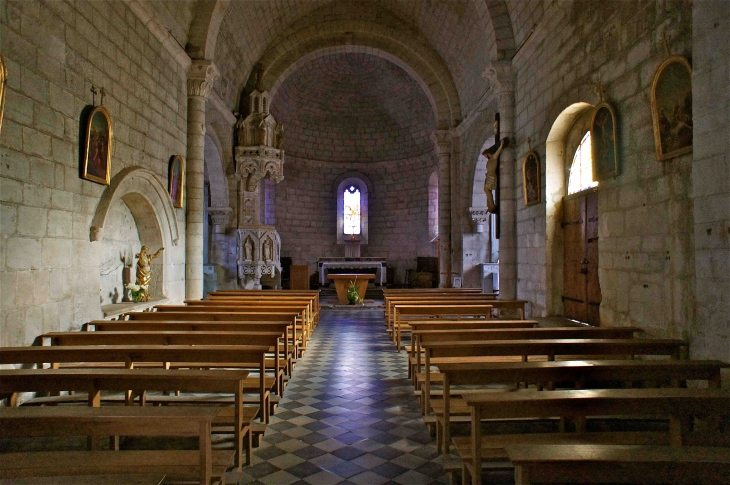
352 210
581 171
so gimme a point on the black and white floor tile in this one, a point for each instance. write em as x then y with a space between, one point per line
348 414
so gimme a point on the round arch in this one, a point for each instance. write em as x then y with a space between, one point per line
150 204
555 190
365 27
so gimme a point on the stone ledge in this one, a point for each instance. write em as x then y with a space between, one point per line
116 309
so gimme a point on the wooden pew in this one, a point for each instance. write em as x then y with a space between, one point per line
94 381
166 355
465 335
201 326
253 302
401 313
314 294
576 373
689 465
205 464
438 353
298 330
391 301
462 324
311 301
271 339
679 406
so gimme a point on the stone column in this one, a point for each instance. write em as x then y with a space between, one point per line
442 140
201 75
501 75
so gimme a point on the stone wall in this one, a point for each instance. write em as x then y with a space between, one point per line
646 217
50 272
306 219
119 245
711 178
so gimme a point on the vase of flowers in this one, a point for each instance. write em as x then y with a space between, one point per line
138 292
352 295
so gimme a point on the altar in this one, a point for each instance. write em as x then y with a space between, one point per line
340 263
343 281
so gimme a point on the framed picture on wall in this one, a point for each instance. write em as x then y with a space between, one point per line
531 178
97 159
3 82
603 142
176 180
671 108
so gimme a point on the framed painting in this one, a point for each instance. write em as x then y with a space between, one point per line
97 159
671 108
3 82
176 180
604 151
531 178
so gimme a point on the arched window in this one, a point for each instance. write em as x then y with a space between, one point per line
351 210
581 170
352 191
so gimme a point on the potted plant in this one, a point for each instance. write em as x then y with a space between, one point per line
138 292
352 294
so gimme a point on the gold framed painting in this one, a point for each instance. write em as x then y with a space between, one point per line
604 149
176 180
531 176
671 108
3 83
97 161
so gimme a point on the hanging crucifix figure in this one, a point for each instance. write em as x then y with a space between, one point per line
492 154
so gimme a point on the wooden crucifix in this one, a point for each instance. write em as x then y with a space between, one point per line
491 178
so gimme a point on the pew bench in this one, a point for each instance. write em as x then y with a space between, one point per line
204 465
574 374
201 326
402 313
619 464
679 406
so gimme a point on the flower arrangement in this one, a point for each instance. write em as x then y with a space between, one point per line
352 295
139 292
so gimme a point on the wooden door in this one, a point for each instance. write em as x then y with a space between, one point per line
582 290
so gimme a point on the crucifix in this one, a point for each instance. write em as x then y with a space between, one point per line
93 95
491 178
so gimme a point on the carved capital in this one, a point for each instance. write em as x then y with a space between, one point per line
502 75
442 141
479 215
220 215
201 75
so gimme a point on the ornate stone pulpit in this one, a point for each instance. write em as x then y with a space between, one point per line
259 253
259 155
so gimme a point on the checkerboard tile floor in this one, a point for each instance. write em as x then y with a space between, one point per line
348 414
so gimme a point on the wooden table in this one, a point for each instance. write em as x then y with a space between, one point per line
342 283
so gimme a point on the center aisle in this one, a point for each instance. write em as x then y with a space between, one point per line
348 414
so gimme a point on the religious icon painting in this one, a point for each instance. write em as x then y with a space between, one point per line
97 159
176 180
671 108
3 82
603 142
531 178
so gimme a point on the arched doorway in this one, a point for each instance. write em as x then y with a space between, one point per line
571 221
582 289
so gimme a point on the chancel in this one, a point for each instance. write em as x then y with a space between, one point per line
316 239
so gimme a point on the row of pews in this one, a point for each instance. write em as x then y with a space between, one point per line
556 405
212 367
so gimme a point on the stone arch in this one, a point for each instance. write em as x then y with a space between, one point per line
151 207
365 28
504 37
204 28
555 189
